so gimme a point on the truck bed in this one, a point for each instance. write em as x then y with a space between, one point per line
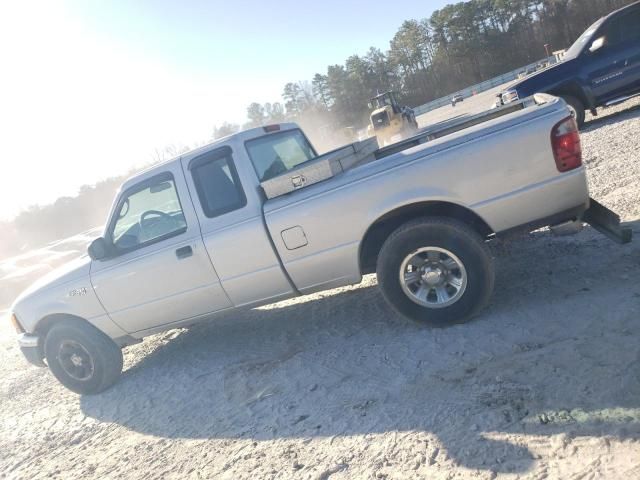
428 143
340 160
498 165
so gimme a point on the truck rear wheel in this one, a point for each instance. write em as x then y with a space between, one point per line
436 270
576 108
81 357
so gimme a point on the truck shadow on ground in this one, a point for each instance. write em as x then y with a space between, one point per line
556 353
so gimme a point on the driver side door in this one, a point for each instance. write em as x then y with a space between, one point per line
159 272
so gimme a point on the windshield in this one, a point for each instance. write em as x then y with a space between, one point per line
148 214
583 40
383 101
278 153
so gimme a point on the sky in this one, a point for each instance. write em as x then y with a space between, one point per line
91 89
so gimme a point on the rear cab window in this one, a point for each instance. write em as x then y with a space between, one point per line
217 183
277 153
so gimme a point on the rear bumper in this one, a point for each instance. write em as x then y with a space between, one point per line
30 347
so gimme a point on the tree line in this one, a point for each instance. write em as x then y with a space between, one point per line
460 45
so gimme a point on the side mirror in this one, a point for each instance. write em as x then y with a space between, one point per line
98 249
597 44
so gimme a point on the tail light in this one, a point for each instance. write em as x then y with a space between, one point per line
271 128
565 143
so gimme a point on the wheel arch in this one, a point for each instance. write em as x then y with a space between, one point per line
575 90
47 322
384 225
103 324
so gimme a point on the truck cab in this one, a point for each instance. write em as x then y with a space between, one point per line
184 240
172 225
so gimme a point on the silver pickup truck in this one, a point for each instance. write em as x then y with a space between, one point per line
258 217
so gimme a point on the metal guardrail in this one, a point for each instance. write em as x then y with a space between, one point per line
480 87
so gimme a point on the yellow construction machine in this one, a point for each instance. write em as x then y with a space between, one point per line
389 119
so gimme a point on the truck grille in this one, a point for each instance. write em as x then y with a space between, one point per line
380 120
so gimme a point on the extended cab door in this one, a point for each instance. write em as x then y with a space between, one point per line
629 41
614 69
226 197
159 272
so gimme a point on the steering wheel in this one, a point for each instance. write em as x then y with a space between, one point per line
144 219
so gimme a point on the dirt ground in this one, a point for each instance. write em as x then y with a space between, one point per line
470 105
544 384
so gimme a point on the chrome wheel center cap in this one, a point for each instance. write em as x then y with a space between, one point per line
432 276
76 360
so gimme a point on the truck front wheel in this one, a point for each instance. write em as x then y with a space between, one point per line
81 357
436 270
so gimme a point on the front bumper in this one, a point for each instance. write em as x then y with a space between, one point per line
509 96
30 347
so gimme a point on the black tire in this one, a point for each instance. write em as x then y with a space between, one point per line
577 106
100 357
445 234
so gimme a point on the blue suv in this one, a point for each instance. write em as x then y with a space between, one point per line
602 68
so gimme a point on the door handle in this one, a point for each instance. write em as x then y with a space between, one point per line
184 252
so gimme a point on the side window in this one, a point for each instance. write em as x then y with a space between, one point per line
217 183
611 32
624 29
150 213
630 27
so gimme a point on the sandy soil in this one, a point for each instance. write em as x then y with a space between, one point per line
544 384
